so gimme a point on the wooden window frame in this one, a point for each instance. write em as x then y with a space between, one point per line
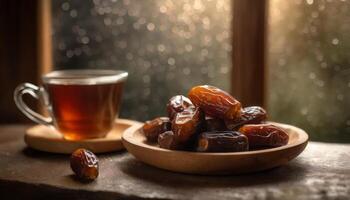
25 50
248 77
31 54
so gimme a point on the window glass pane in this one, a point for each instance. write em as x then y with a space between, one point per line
166 46
309 66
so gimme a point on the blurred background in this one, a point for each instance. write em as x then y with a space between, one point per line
168 46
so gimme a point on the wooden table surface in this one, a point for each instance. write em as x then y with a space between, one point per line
322 171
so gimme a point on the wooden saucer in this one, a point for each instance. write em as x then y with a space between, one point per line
215 163
48 139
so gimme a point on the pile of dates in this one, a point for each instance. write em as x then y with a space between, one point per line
211 120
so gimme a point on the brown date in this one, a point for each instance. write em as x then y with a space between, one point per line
264 135
84 164
222 141
177 104
153 128
167 140
214 124
187 123
250 115
215 102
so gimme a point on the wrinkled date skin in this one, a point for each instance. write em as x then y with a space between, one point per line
222 141
215 102
84 164
151 129
250 115
167 140
214 124
264 135
177 104
187 123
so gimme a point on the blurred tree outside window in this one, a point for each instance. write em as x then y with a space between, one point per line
309 66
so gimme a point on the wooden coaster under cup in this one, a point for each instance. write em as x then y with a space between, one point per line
48 139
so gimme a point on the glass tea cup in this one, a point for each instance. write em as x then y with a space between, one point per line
82 104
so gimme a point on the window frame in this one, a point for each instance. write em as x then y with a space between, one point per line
249 33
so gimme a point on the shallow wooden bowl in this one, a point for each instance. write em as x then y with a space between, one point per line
48 139
215 163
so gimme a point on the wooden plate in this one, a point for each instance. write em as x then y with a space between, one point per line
48 139
215 163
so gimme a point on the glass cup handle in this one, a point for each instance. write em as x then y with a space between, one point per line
36 92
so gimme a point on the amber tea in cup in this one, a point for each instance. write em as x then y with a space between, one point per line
82 104
84 111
